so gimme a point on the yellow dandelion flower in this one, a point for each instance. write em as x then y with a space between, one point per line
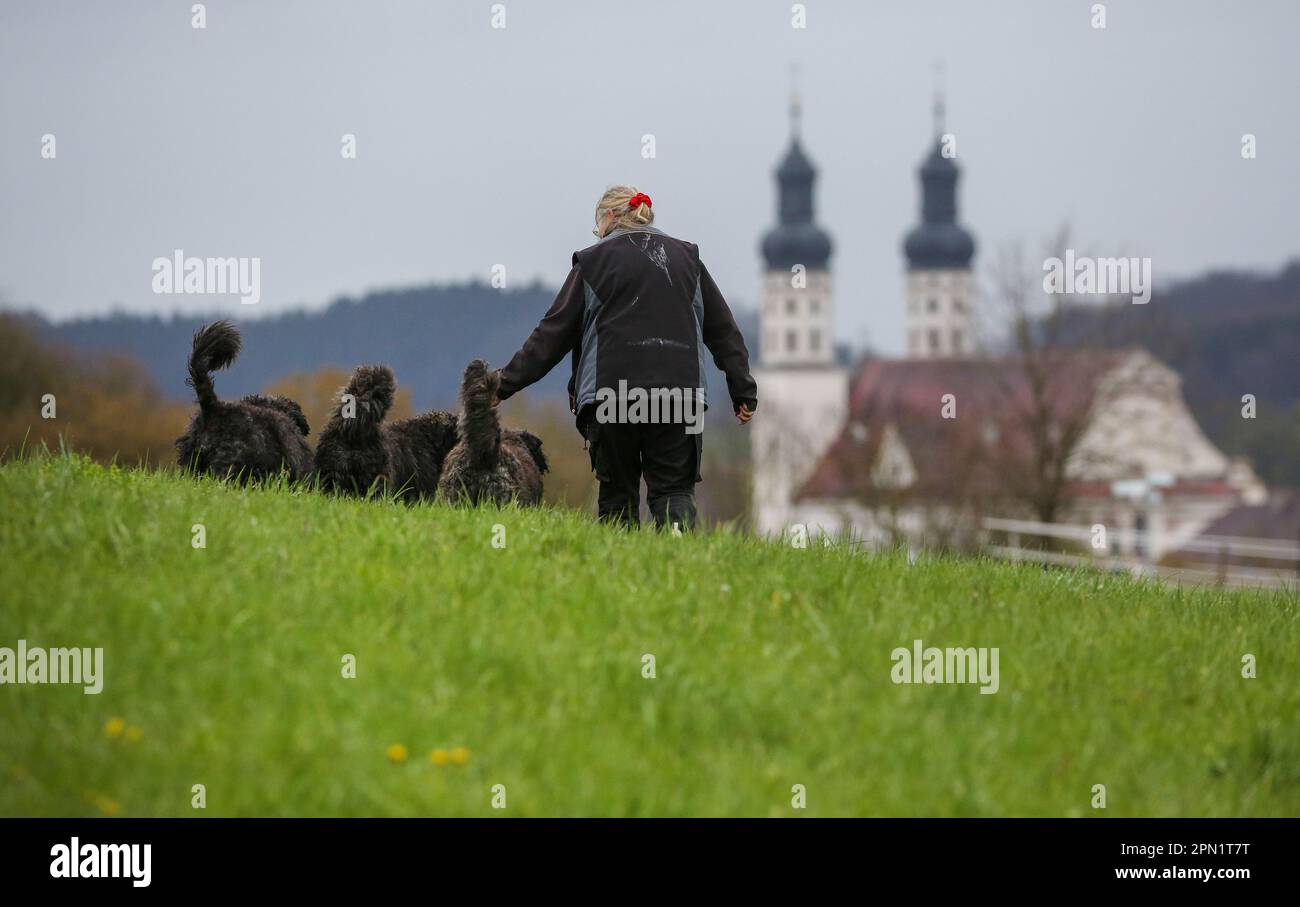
460 755
114 727
439 757
397 753
107 806
133 734
21 773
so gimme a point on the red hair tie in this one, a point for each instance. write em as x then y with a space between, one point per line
638 200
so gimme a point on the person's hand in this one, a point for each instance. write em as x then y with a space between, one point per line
744 414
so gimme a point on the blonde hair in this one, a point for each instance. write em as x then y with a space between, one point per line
615 201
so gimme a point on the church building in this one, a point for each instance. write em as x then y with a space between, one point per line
921 450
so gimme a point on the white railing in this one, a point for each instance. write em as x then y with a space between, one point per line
1216 569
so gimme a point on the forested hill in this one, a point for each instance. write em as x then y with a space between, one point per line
426 334
1228 333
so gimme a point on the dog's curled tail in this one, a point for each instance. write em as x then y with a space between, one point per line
215 346
479 426
368 396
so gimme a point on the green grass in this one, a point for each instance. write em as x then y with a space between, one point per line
773 668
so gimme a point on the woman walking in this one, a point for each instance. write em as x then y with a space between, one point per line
635 316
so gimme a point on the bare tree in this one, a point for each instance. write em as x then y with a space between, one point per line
1050 382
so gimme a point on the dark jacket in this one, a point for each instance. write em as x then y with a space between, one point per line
637 306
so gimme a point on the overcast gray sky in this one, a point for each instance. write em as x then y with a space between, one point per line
478 146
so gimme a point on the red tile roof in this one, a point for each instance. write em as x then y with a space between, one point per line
952 457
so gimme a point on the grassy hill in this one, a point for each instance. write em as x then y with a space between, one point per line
522 666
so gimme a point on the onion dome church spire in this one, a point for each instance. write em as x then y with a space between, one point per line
940 295
796 240
939 241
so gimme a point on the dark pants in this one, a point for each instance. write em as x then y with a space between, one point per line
665 455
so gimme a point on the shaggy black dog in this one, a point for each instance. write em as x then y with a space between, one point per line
489 463
253 438
357 449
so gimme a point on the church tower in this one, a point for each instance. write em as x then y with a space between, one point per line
796 316
802 390
940 288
